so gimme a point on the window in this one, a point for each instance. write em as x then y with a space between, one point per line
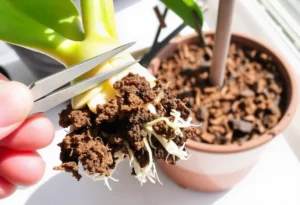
286 14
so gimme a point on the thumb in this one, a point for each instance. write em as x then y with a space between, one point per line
15 105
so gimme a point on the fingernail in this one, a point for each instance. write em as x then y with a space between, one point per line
15 103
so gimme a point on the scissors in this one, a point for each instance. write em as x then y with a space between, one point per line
43 101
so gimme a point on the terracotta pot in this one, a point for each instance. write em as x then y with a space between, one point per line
219 167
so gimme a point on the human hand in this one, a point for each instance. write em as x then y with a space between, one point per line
20 164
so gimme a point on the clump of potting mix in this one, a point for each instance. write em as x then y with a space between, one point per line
244 108
142 123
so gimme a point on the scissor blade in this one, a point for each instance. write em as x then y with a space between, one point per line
48 84
65 94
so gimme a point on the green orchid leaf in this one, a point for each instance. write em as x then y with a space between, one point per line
99 18
60 15
184 9
16 27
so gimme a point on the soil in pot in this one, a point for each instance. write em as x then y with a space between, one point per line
248 104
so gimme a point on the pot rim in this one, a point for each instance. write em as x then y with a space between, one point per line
269 135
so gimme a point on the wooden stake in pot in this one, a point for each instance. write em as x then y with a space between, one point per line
222 41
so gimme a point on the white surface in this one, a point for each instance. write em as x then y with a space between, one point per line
275 180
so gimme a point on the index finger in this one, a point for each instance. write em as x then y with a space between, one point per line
35 133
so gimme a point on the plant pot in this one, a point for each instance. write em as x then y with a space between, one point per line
219 167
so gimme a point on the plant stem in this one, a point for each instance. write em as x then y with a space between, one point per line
147 57
221 42
159 28
98 18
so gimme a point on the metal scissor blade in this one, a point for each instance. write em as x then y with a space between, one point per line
50 83
65 94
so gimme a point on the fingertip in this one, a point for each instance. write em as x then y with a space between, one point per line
6 188
24 96
21 168
35 133
16 104
17 98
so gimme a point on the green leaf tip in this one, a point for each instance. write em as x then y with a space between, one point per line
185 9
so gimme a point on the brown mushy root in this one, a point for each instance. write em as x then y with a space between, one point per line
96 137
